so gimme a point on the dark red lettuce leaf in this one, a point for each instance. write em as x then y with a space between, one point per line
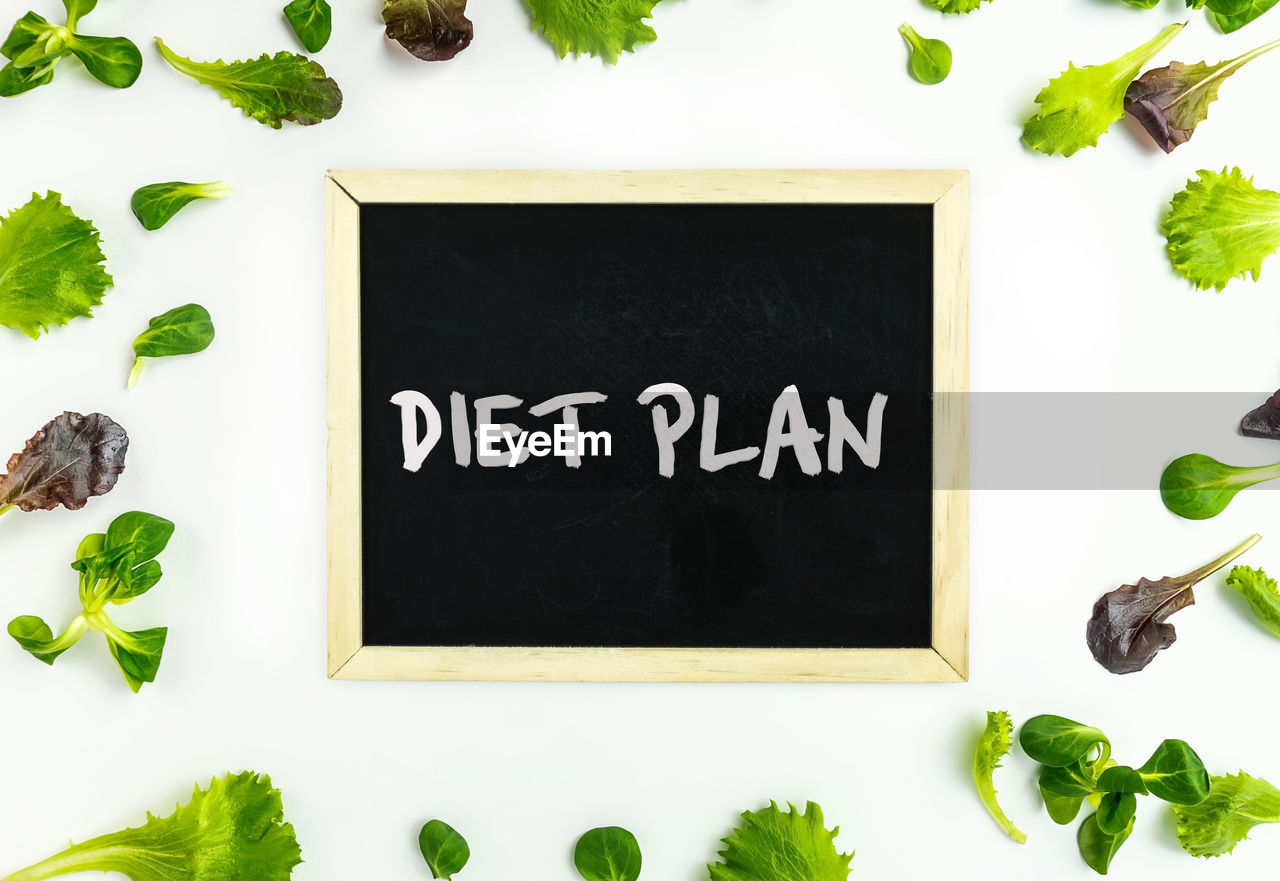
433 30
1263 421
1127 627
67 462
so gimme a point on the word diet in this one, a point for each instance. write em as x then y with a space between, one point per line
502 444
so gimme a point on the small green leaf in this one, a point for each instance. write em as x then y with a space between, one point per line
91 545
1175 773
32 32
1198 487
155 204
1236 803
1122 778
930 60
115 61
1261 592
445 851
148 534
609 853
272 89
50 266
182 331
312 22
1250 11
14 81
955 7
137 653
1073 781
594 27
1058 742
1062 809
78 9
35 637
1116 811
994 745
1099 848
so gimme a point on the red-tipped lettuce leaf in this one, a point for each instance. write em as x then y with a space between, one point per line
65 463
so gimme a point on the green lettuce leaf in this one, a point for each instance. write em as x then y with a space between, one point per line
993 745
312 22
955 7
155 204
773 845
594 27
1261 593
1078 106
273 89
1097 847
50 266
1222 227
433 30
1236 803
232 831
444 849
1252 9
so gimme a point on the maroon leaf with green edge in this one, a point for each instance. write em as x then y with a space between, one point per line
433 30
65 463
1128 626
1171 101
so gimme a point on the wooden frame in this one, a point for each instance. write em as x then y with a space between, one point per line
946 661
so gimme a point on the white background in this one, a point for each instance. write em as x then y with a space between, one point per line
1071 292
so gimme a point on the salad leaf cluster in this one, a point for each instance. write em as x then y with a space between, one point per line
234 829
273 89
1076 766
115 567
68 461
777 845
1127 628
35 46
50 266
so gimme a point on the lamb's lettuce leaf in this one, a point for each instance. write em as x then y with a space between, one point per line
312 22
273 89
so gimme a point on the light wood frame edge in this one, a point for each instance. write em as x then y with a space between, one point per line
946 661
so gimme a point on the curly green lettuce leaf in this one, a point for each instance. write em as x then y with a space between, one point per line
433 30
312 22
50 266
235 829
773 845
155 204
1171 101
1231 20
594 27
955 7
1236 803
1078 106
994 745
273 89
1261 592
1222 227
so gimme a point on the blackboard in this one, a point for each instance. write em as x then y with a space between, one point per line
817 312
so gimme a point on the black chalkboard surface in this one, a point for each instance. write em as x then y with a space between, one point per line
759 379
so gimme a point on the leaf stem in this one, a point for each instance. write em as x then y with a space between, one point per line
909 34
5 509
1226 70
1209 568
135 372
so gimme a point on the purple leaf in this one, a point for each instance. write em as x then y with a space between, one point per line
68 461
